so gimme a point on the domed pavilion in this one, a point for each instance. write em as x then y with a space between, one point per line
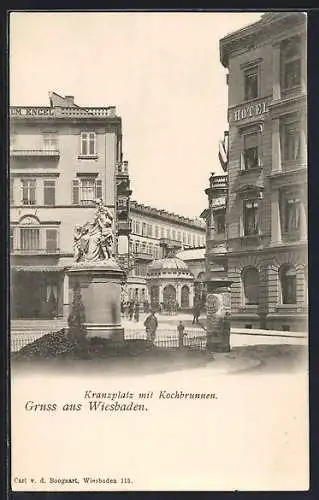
170 283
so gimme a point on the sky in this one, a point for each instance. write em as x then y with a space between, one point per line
161 71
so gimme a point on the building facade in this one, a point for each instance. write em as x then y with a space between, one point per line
62 157
266 203
153 231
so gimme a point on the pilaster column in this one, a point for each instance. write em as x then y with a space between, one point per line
303 137
304 65
179 294
191 295
275 218
276 72
160 293
65 296
303 219
276 152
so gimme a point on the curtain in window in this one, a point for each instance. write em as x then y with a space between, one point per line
250 215
251 286
293 215
288 284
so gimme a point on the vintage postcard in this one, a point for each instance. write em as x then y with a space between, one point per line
158 242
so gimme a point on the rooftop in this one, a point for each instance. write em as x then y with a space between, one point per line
62 107
161 213
249 36
192 254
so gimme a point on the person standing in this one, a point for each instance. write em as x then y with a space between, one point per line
196 313
181 334
151 325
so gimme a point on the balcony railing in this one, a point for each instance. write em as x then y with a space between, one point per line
170 242
43 152
35 251
124 227
46 112
122 167
143 256
220 181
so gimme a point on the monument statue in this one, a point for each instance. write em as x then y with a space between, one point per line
93 242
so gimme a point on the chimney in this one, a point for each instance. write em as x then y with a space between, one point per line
69 100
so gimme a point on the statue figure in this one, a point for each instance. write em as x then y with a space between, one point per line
94 240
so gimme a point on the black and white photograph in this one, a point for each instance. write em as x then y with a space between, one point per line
158 251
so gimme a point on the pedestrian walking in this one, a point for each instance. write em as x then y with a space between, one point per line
137 312
151 325
181 334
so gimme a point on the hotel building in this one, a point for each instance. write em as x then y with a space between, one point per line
266 201
62 157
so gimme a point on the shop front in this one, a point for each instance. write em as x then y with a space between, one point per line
36 292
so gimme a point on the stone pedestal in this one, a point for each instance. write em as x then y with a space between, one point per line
218 306
100 286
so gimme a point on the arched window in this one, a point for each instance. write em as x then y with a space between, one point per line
169 296
154 293
185 297
250 280
287 275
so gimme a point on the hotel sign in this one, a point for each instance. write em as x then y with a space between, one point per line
31 111
248 111
219 202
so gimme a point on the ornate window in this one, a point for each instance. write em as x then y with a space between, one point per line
51 240
250 217
251 151
185 297
251 83
50 141
28 191
86 190
30 238
290 213
88 144
287 274
250 280
290 139
220 222
291 63
49 193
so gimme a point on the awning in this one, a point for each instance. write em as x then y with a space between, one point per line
38 269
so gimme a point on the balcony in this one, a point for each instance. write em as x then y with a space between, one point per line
35 153
124 227
46 112
143 256
220 181
35 251
167 242
122 168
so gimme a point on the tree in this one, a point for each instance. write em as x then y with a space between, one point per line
76 318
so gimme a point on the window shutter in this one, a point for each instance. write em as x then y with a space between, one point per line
51 239
75 192
98 188
11 191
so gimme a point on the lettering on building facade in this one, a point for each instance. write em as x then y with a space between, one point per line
31 111
248 111
219 202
